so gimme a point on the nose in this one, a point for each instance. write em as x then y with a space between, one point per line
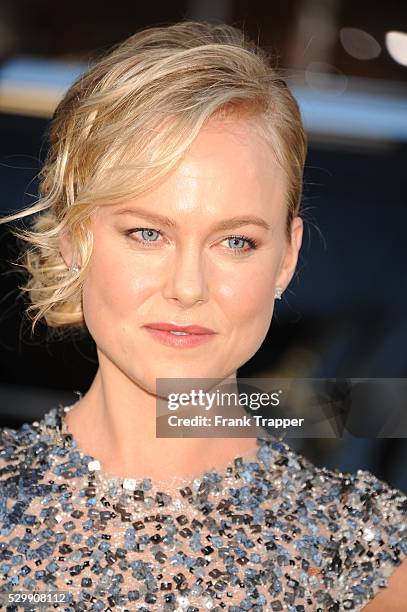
185 280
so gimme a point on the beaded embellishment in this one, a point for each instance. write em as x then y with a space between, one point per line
275 533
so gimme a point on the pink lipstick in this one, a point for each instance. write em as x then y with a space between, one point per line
180 336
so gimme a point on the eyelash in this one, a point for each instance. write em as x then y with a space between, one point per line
253 244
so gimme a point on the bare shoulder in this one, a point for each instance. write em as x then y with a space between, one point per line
394 597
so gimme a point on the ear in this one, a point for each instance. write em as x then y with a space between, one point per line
65 248
290 257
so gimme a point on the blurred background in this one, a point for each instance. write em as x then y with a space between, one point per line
344 313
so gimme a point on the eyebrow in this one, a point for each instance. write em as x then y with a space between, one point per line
225 224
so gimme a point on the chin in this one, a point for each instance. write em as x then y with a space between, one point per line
183 373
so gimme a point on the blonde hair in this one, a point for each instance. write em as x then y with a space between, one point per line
125 123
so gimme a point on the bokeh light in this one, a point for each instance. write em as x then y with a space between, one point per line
396 43
359 44
325 78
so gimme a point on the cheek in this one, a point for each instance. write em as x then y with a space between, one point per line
248 302
113 289
248 297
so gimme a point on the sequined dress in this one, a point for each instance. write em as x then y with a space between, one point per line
269 532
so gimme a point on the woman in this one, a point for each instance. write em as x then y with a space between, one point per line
170 198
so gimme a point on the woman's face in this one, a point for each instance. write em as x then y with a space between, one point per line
186 269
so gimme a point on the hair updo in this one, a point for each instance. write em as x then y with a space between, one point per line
125 123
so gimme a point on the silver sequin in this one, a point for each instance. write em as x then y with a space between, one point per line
267 534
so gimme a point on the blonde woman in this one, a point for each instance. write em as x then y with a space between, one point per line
167 224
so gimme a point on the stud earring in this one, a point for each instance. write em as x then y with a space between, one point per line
74 269
278 292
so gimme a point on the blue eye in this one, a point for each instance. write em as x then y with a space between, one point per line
237 240
239 244
148 234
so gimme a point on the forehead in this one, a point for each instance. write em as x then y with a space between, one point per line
230 166
227 149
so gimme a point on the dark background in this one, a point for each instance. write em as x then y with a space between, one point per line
343 315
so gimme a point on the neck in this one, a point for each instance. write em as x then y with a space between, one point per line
115 422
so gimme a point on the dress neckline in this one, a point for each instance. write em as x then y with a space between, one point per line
108 482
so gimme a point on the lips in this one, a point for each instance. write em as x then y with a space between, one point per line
191 329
